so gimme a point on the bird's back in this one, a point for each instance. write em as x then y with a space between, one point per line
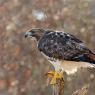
64 46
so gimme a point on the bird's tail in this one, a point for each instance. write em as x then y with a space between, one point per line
91 58
86 57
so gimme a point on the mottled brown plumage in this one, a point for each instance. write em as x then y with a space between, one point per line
61 45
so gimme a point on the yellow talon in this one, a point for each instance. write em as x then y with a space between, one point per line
55 77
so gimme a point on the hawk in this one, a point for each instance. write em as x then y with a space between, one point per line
63 50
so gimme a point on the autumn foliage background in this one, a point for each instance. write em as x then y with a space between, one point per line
22 67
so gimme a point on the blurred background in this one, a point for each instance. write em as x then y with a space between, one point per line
22 67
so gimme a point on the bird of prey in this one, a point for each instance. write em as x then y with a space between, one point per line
64 51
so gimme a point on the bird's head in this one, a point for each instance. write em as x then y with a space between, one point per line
35 33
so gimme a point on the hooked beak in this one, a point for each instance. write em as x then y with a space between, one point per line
28 34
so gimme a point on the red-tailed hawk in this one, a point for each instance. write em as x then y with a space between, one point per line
64 51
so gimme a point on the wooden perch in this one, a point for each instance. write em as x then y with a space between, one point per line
82 91
58 89
76 83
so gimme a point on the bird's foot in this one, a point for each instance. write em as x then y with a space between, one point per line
55 77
